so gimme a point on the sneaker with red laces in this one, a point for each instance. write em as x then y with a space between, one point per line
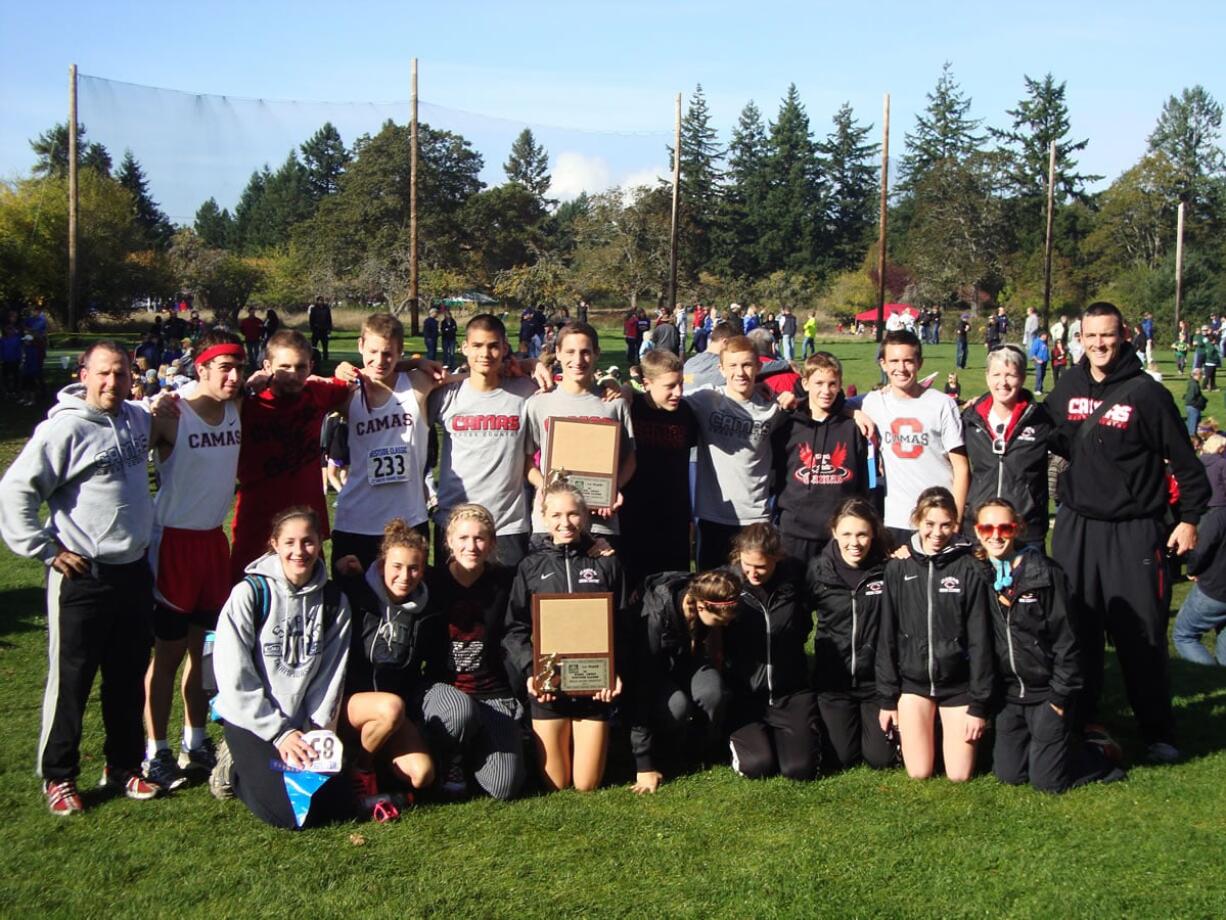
63 800
378 805
1098 736
130 782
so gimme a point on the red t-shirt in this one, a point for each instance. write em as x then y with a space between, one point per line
278 464
251 328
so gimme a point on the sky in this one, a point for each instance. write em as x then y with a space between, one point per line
596 81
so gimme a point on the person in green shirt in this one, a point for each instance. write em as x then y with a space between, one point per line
1194 402
810 330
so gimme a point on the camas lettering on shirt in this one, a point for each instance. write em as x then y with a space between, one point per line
206 439
384 423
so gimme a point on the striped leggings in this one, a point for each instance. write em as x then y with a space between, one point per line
487 735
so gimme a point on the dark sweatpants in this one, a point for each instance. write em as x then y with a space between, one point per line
1117 584
714 544
783 737
699 699
802 548
259 784
102 620
1035 744
852 732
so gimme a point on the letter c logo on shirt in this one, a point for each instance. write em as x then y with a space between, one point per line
907 441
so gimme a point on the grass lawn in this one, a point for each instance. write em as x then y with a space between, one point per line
857 844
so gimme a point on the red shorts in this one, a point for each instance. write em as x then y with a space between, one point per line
191 569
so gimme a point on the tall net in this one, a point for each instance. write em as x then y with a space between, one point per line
196 146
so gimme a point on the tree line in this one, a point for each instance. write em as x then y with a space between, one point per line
777 213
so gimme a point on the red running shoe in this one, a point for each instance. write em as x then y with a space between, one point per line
63 800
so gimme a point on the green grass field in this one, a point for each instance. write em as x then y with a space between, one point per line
861 844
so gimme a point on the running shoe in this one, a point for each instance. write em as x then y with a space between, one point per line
162 770
1160 752
198 760
221 778
455 784
379 806
130 782
63 800
1098 736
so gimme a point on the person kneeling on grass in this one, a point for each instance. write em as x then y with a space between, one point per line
679 681
846 583
571 732
772 713
398 641
1036 655
279 660
935 651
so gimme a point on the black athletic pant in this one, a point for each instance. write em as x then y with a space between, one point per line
697 700
783 737
664 548
801 548
320 337
852 732
1117 584
1036 744
100 620
715 543
259 783
363 545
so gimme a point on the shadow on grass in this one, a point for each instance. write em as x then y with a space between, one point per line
23 611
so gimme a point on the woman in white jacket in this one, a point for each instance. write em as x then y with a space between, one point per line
279 659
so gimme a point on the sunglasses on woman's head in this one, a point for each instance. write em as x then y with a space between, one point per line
1004 531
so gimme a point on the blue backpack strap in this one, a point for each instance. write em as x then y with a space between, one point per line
263 598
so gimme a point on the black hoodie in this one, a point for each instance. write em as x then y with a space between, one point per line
1012 467
764 647
395 648
1118 473
817 464
936 635
848 623
1036 647
1207 563
567 569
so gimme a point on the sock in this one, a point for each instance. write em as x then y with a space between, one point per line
153 745
193 738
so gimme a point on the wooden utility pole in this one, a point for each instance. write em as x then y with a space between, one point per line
1051 210
672 241
881 218
72 198
1179 264
414 328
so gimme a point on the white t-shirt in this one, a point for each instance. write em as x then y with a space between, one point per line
734 456
916 437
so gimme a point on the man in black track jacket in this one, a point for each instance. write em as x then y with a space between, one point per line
1110 533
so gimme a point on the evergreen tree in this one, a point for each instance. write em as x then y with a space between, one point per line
248 231
214 225
790 232
528 165
944 131
852 188
743 204
51 148
1039 119
324 158
155 225
700 177
1187 133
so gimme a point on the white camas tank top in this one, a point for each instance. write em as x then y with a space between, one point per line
197 479
387 463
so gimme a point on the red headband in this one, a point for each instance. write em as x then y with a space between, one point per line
213 351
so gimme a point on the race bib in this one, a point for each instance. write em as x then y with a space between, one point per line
386 465
328 751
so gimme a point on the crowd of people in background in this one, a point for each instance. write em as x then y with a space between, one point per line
759 501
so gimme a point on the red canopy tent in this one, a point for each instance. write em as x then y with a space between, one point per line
870 316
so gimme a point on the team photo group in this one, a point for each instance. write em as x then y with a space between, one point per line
536 571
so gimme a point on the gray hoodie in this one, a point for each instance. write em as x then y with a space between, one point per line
91 468
290 675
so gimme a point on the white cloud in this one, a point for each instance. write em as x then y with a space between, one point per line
575 173
650 176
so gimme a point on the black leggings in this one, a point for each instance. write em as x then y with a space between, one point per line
781 737
260 785
853 733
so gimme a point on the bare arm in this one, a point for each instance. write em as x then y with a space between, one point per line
962 478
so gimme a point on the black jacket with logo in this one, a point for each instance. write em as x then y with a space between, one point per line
1013 467
764 647
552 569
817 464
1036 644
1118 472
848 624
936 633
